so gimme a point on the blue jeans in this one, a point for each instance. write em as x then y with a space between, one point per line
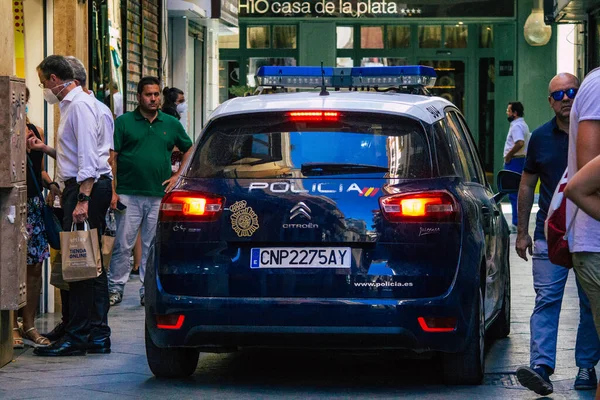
141 211
516 165
549 283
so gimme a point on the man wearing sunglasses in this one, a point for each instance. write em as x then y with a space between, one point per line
515 149
546 160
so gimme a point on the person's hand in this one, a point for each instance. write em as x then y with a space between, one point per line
80 213
114 200
171 182
33 143
523 245
507 159
53 191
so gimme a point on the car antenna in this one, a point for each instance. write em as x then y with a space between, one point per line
324 91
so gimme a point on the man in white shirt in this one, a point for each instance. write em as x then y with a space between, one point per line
584 235
100 333
82 168
515 149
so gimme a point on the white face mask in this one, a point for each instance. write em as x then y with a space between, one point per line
182 108
52 98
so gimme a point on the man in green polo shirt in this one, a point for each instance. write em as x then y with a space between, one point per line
141 162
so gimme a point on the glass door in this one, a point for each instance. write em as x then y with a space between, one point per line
450 83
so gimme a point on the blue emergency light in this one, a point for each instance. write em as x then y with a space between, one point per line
357 77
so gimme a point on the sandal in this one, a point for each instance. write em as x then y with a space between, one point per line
40 341
17 341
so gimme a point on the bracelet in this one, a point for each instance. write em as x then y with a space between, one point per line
54 183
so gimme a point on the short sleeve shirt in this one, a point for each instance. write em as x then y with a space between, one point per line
144 148
546 158
518 131
585 233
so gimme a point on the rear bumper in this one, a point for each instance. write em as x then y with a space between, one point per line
229 323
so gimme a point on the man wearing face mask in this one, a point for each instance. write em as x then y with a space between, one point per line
144 140
82 168
174 104
515 149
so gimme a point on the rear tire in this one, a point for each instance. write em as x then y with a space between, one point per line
170 362
467 367
501 326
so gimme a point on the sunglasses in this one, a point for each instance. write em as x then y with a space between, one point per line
560 94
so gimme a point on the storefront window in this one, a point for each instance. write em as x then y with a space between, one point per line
284 37
456 37
229 41
398 37
430 36
383 61
345 37
371 37
259 37
486 36
254 63
450 83
344 62
229 76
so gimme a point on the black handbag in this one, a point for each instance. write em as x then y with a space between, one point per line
51 222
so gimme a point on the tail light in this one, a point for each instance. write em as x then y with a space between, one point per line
313 116
420 207
190 206
437 324
170 321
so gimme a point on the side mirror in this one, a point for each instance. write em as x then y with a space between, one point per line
508 182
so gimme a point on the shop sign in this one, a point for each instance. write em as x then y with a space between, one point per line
506 68
372 8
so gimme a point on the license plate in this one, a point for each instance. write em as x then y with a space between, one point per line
306 257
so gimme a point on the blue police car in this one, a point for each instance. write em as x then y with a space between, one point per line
352 218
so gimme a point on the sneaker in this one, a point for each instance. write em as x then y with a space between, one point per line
115 298
536 379
142 302
586 379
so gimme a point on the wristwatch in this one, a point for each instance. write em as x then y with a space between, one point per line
83 197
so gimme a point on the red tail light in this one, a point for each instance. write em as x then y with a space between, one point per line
190 206
169 321
313 116
437 324
420 207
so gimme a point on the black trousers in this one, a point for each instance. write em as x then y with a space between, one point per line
88 300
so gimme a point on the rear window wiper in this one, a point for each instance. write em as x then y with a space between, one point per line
311 169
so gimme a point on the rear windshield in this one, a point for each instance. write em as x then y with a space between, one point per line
271 145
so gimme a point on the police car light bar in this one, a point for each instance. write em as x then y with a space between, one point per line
380 77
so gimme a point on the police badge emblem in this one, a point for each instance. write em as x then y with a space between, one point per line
244 220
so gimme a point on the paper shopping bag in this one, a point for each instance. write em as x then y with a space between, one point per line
108 242
80 254
56 277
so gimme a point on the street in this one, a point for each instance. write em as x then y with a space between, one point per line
290 374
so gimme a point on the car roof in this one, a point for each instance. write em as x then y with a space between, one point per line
428 109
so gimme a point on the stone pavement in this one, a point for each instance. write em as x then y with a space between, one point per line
243 375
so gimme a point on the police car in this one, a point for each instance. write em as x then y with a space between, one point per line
356 216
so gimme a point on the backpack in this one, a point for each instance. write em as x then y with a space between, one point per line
555 227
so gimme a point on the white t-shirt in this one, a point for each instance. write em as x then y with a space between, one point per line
518 131
585 233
